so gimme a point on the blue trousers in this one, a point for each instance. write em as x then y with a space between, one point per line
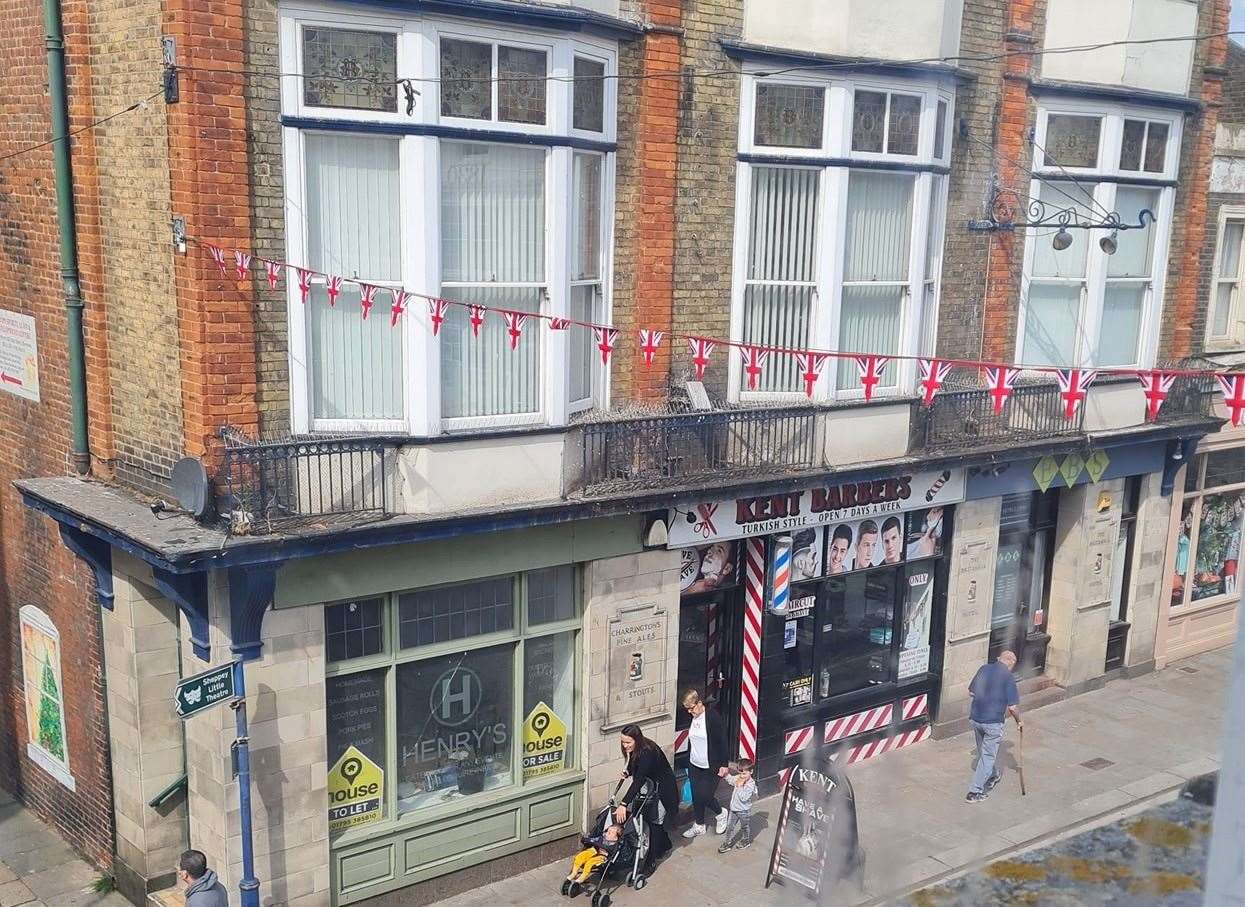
989 736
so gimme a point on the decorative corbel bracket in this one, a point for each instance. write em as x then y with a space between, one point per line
98 555
250 596
189 592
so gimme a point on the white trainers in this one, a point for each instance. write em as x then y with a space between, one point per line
694 832
720 824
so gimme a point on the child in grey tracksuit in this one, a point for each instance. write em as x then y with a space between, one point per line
743 795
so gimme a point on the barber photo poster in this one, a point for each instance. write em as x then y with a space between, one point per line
800 844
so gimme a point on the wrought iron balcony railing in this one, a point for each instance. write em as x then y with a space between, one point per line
966 418
689 446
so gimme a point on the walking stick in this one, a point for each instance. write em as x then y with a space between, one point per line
1020 756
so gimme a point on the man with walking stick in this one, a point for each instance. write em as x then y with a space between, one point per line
994 697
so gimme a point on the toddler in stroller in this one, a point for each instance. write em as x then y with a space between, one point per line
611 851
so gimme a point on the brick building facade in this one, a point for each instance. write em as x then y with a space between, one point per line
555 491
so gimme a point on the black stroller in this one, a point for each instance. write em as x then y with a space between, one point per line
629 859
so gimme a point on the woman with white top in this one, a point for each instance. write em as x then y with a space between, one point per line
707 753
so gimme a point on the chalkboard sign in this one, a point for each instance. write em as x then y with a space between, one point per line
356 715
800 844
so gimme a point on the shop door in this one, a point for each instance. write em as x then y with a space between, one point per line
1022 579
710 635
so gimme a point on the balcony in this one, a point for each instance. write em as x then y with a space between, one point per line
965 418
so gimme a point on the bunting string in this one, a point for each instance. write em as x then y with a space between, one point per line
999 377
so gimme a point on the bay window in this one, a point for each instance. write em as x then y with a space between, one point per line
492 186
840 201
1097 301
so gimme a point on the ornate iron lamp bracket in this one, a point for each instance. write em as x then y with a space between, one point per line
1006 204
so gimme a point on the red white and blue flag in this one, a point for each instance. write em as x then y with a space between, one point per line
1001 380
1157 385
367 297
650 342
272 270
933 373
218 256
811 365
333 286
605 342
514 326
436 313
870 369
475 316
754 361
242 260
304 284
702 348
1233 387
1073 385
398 306
559 324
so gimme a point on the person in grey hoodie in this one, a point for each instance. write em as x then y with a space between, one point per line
202 887
743 795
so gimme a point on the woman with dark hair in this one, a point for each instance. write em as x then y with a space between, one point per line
646 762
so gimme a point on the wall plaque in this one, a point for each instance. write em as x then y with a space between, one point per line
637 667
968 612
1096 578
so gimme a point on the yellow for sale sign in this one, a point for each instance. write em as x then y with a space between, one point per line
356 791
544 742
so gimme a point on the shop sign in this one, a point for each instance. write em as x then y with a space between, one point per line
544 743
798 690
733 518
1044 472
1073 465
709 568
356 787
800 846
801 607
19 355
637 667
1096 464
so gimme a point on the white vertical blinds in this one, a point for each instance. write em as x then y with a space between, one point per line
1128 279
875 269
353 230
492 253
782 269
586 270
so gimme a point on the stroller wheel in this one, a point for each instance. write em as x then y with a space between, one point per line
640 882
566 887
574 890
596 899
605 899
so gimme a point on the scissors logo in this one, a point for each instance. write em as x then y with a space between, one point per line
704 525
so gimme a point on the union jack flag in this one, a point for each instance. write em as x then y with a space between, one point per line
475 315
1001 379
304 284
1073 384
559 324
367 296
870 369
1157 386
811 365
1233 387
333 286
514 326
702 348
436 314
272 269
605 342
933 373
243 262
398 306
754 359
218 256
649 342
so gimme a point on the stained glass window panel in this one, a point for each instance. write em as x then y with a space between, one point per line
466 79
1072 141
1132 145
346 68
905 124
789 116
520 85
869 121
589 100
1156 148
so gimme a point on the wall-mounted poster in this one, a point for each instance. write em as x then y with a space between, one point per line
45 695
865 543
925 531
917 608
806 548
709 568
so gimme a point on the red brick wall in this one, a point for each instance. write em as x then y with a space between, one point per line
35 568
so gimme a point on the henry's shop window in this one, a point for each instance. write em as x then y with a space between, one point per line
451 694
1208 543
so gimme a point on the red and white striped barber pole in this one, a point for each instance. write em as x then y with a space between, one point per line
858 723
882 745
713 658
914 707
754 608
797 740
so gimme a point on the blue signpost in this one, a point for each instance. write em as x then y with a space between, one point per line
227 683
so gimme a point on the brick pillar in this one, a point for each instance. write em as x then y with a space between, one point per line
1012 156
211 188
1178 339
656 148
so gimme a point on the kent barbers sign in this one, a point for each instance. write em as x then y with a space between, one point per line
734 518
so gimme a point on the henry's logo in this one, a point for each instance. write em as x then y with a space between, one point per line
455 697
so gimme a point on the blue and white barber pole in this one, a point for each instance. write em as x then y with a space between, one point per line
780 575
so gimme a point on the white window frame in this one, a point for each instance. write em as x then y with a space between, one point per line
418 41
1104 182
1235 335
835 161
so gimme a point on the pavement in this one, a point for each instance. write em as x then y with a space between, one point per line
1087 759
38 869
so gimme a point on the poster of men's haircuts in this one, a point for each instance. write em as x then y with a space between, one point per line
865 543
917 608
709 567
806 553
925 532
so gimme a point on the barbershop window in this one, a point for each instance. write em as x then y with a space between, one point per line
436 685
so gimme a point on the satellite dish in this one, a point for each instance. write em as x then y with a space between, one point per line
191 487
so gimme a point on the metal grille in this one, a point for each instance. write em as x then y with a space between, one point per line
277 482
1190 396
966 418
668 449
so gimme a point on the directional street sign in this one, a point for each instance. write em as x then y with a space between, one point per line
194 694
